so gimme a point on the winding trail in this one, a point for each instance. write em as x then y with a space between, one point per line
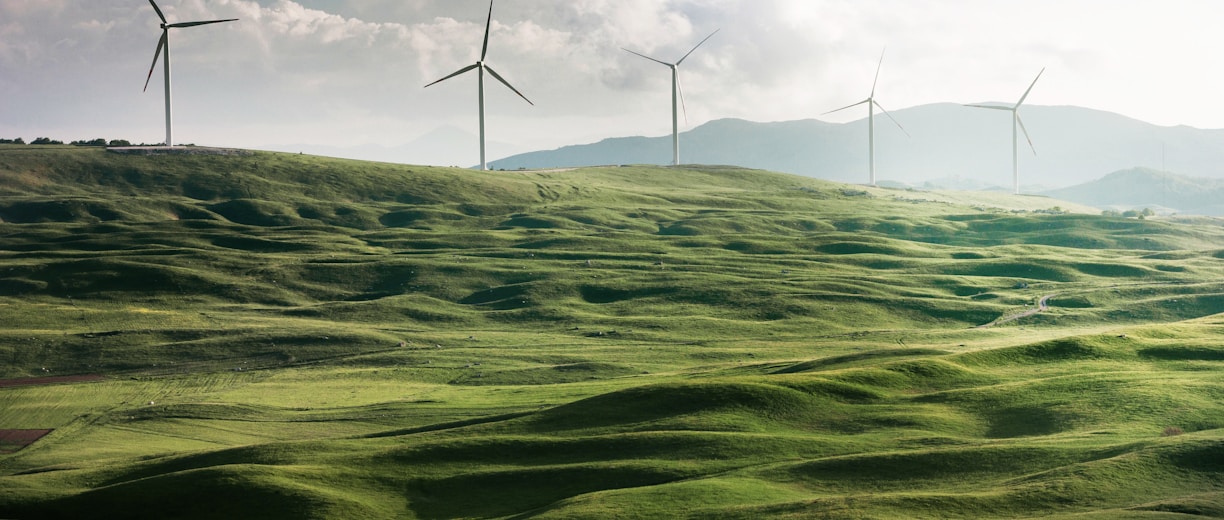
1043 305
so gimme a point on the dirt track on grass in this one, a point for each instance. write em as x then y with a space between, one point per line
1042 305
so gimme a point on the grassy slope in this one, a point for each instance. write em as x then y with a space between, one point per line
330 338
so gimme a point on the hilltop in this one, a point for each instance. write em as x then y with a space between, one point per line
286 336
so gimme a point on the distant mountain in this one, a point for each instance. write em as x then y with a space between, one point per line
949 141
1139 188
444 146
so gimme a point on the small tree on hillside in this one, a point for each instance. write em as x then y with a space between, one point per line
120 142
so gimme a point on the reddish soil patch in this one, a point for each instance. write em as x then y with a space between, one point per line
51 380
14 440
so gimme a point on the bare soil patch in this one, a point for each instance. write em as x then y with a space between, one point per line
12 441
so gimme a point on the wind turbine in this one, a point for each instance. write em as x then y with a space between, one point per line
484 165
871 106
164 43
677 95
1016 121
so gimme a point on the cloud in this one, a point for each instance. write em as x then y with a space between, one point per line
352 71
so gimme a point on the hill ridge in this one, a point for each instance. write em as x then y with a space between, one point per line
1074 144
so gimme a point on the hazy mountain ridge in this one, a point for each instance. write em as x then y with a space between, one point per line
439 147
1074 145
1138 188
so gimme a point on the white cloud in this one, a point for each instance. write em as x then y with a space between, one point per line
352 71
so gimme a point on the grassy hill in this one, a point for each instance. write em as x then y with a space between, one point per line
292 336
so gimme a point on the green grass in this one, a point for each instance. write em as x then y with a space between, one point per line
303 337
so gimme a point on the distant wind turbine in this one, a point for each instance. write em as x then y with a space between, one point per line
484 165
871 106
677 95
164 43
1017 122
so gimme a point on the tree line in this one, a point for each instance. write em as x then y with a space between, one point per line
91 142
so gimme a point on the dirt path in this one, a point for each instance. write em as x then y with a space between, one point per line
1043 305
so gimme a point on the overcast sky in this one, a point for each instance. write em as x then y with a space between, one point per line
351 72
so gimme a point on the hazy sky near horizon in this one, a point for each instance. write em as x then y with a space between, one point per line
351 72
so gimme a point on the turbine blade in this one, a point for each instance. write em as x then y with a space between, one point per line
159 12
877 76
992 107
507 83
1030 89
698 45
847 106
160 43
683 106
648 57
484 51
460 71
193 24
894 120
1026 134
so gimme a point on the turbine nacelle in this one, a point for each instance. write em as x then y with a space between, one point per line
872 104
164 44
1017 123
677 93
480 64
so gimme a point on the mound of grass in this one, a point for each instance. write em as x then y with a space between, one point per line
1056 351
655 407
849 360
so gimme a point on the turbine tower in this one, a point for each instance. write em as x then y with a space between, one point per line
164 44
677 95
480 65
871 106
1017 122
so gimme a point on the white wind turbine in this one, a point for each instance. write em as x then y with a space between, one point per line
677 95
871 106
164 44
1017 122
484 165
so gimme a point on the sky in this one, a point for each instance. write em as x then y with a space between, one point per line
350 73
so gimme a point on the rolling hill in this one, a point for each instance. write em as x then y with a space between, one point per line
286 336
1074 145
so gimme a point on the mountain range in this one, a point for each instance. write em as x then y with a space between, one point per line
948 144
1146 188
439 147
